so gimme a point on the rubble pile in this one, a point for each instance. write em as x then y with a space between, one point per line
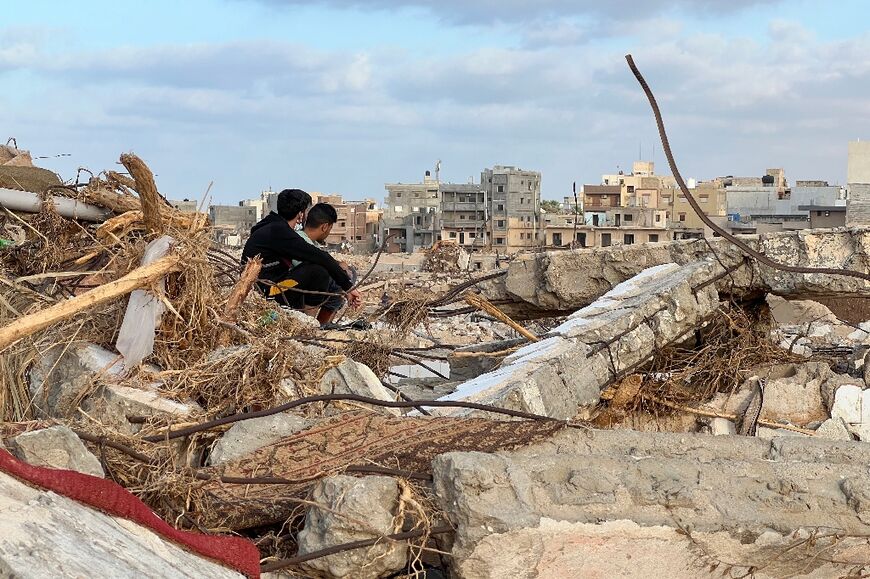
677 417
446 257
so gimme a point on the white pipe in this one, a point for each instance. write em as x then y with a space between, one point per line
32 203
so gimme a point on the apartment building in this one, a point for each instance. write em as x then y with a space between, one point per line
464 214
514 200
412 211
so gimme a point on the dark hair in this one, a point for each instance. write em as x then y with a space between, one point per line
291 202
321 214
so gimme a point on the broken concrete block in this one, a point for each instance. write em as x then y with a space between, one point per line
731 488
360 508
43 534
111 404
250 435
833 429
63 373
852 405
563 374
722 427
796 393
351 377
56 447
799 312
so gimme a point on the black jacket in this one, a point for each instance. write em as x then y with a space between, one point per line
275 241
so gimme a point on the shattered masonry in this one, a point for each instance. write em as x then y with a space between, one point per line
672 408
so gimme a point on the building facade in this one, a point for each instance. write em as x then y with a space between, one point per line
412 214
464 214
514 199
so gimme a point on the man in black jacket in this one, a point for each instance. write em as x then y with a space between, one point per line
275 240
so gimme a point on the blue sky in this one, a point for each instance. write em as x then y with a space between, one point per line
343 95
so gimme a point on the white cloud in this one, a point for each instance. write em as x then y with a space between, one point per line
731 104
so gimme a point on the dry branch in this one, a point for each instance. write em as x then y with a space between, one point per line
238 295
147 190
140 277
482 303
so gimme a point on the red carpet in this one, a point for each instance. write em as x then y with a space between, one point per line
113 499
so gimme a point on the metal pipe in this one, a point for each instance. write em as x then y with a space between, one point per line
30 202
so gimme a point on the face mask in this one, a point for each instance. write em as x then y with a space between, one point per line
298 227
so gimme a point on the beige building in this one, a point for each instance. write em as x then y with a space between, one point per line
357 225
412 213
710 195
514 199
560 235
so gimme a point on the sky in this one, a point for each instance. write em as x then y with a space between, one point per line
342 96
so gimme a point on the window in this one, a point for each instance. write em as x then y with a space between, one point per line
499 240
499 223
359 237
501 207
629 217
522 200
477 265
341 223
653 237
398 208
419 221
557 239
704 197
818 213
530 185
658 217
501 188
682 216
398 195
452 235
605 240
631 188
628 239
462 216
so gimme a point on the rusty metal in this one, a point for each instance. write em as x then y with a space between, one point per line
284 563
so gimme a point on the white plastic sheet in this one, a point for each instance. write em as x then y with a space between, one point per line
136 336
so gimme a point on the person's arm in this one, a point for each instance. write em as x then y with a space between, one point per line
292 246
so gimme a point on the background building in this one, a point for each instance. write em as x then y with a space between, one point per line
464 214
514 198
412 212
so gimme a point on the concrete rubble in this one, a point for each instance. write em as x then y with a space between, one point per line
43 534
243 438
55 447
351 377
557 508
642 364
567 369
566 280
355 509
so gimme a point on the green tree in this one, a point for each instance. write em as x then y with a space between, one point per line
551 206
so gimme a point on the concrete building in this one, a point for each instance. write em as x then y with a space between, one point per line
261 204
858 170
232 223
185 205
826 216
514 199
858 184
598 198
464 214
772 205
412 212
710 195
